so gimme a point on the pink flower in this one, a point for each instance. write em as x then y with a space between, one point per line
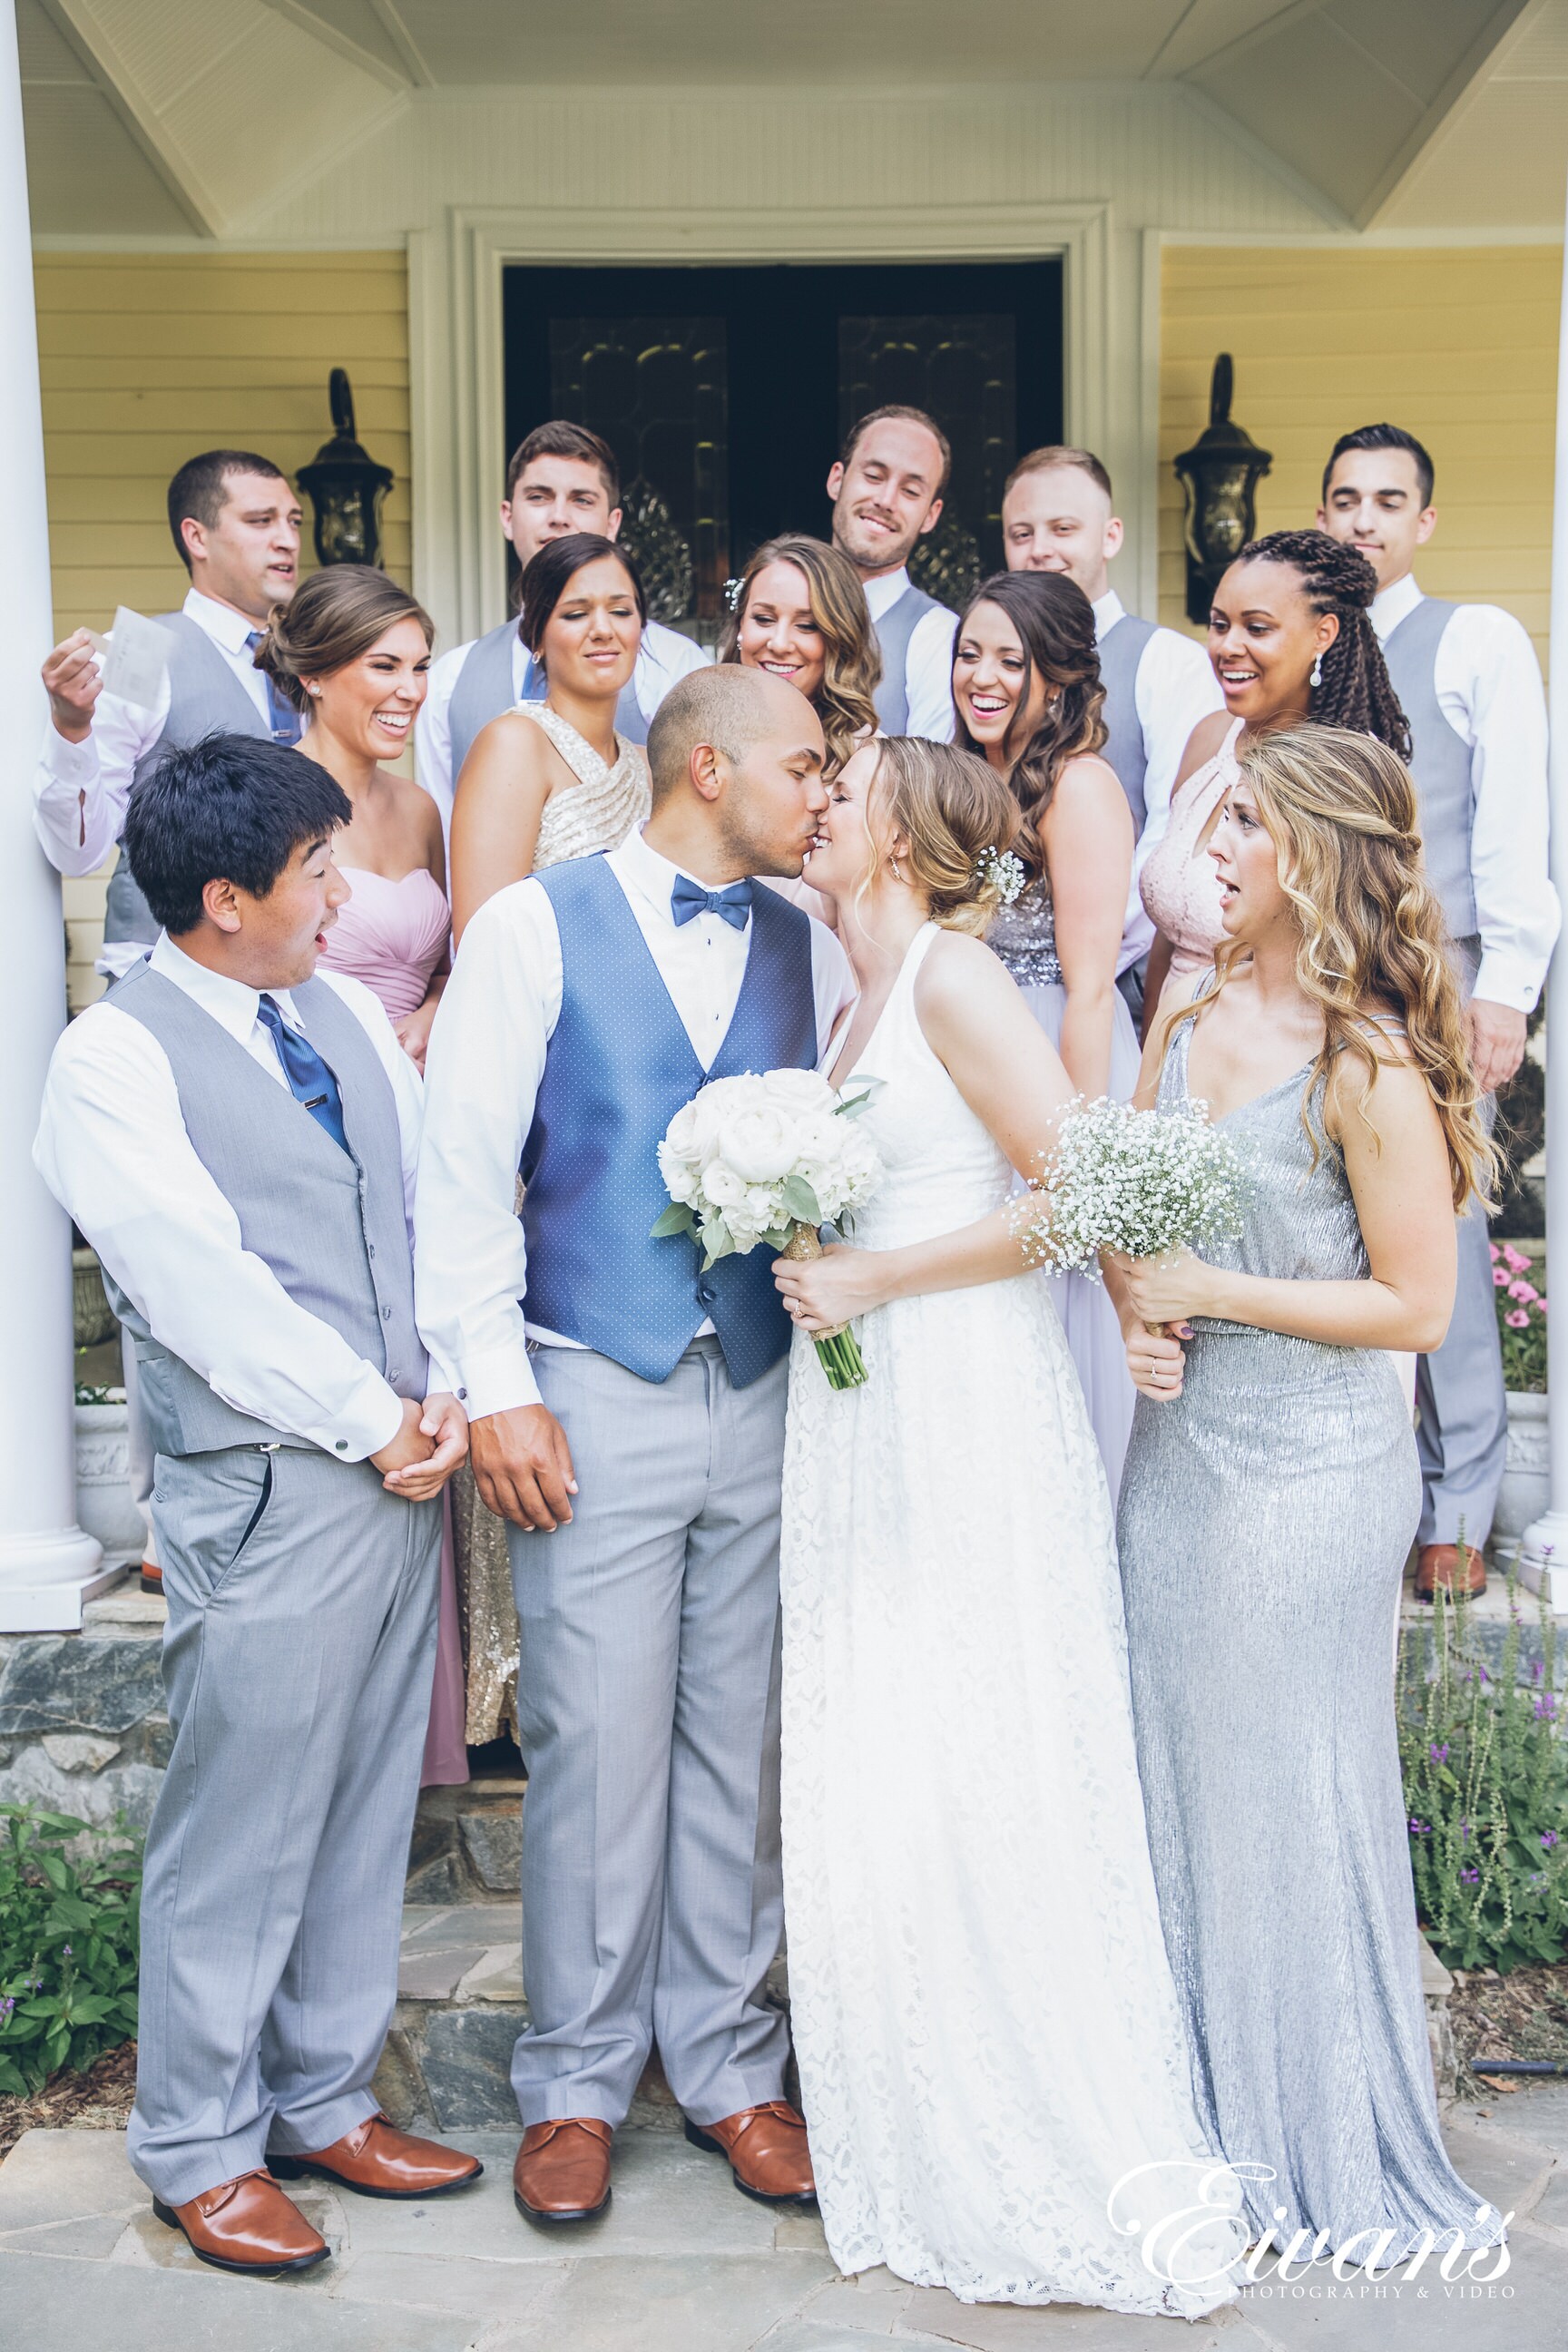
1515 1260
1493 1252
1518 1320
1523 1291
1500 1277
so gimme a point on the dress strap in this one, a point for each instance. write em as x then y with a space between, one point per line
578 754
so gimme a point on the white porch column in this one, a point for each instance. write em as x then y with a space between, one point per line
44 1560
1543 1557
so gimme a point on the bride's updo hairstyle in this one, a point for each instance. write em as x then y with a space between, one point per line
957 819
1340 809
333 617
550 572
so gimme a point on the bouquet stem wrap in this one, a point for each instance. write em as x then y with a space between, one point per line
838 1350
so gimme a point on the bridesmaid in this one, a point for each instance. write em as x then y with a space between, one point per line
800 613
552 780
1330 1041
543 783
1027 692
351 651
1290 639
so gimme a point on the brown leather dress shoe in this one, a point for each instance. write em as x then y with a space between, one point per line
1450 1567
375 2160
769 2159
152 1577
563 2170
247 2225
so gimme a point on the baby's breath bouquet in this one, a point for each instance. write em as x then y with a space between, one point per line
1136 1181
770 1158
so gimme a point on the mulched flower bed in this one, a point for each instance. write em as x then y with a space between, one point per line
99 2100
1521 2015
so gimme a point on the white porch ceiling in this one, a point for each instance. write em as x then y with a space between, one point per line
158 116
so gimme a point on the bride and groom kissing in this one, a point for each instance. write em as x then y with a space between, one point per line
989 2035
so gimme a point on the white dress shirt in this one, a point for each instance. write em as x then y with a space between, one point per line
79 790
928 667
483 1067
664 656
1487 684
1176 687
113 1150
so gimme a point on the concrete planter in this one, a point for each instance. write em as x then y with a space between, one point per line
1526 1482
103 1504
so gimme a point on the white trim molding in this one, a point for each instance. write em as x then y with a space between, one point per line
455 334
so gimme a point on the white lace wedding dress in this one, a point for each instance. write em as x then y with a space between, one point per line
986 2027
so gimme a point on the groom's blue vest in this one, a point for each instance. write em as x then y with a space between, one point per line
620 1065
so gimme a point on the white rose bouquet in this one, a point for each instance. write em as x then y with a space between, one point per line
1140 1183
770 1158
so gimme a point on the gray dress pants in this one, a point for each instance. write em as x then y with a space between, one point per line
298 1660
1462 1430
652 1889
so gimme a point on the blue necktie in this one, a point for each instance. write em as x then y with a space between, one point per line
287 724
311 1082
690 899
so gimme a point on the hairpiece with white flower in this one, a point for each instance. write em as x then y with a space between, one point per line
1000 870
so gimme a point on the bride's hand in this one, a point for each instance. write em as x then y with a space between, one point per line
1168 1289
821 1293
1157 1363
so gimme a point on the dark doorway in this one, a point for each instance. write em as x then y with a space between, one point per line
725 393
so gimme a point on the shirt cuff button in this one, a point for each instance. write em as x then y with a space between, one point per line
343 1445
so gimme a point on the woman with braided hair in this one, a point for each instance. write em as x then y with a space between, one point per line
1290 639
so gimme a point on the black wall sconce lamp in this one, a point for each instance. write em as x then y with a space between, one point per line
346 487
1220 474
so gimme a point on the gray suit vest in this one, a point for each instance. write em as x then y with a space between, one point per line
484 689
1439 761
204 698
1120 651
331 1228
893 632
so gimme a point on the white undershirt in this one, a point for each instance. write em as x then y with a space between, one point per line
483 1068
112 1147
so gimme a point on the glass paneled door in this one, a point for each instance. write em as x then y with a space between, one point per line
726 394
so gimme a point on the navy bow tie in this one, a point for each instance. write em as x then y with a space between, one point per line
688 899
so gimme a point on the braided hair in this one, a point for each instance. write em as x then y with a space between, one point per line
1355 691
1055 621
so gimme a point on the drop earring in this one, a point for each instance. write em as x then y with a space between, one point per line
1317 677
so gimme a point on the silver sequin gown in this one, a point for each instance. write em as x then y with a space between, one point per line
1265 1519
1024 936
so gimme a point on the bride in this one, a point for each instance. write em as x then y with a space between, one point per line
987 2031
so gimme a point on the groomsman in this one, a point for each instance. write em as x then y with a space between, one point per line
236 522
237 1138
887 494
562 479
1058 515
1466 677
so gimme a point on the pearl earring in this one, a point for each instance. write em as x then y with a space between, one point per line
312 689
1317 677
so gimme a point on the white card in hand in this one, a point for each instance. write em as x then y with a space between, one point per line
134 657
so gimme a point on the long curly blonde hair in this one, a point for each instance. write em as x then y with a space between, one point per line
852 666
1340 810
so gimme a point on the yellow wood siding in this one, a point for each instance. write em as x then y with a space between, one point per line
147 357
1459 346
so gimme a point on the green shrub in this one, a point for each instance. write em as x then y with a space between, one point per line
68 1945
1486 1792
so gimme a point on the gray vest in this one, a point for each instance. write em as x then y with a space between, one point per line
1439 761
1120 651
484 689
204 698
893 632
331 1228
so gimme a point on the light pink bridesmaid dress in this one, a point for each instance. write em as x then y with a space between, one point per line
392 935
1180 886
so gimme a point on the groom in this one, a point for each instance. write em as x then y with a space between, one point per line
632 1429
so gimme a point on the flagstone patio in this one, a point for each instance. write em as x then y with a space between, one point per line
682 2263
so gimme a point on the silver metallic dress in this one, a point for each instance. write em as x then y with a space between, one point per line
1265 1519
